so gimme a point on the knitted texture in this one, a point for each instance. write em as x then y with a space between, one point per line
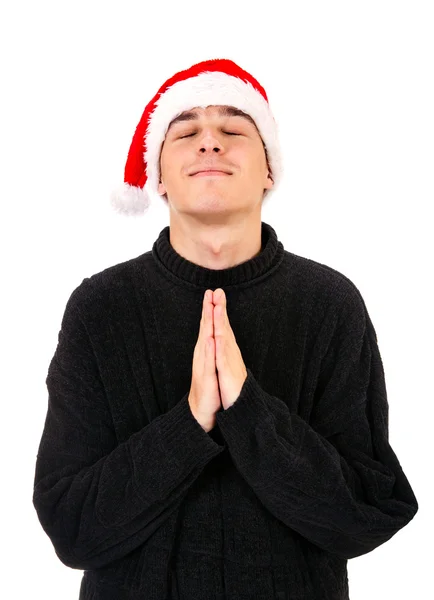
296 477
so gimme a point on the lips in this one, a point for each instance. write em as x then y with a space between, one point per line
211 171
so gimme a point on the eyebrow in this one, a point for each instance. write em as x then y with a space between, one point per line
223 111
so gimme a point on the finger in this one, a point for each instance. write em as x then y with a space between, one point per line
203 320
202 328
206 327
208 315
208 335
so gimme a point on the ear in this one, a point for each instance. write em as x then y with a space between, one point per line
161 189
269 183
269 176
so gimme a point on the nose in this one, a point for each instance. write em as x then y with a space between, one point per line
210 142
216 149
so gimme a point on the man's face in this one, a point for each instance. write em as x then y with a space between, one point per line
209 138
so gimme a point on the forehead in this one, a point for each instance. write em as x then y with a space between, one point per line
219 110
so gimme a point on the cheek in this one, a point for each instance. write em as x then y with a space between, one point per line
250 156
255 166
169 164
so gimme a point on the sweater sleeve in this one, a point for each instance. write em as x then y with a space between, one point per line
98 500
335 480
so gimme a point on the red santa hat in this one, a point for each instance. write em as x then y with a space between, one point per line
212 82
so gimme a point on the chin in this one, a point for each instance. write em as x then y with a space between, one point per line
214 200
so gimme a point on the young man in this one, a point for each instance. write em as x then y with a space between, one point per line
218 419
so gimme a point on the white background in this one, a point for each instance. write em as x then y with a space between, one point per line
351 87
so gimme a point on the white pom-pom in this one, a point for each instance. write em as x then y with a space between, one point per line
130 200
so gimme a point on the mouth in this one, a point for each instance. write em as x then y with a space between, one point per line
210 173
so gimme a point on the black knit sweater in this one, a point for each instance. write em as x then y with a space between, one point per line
297 476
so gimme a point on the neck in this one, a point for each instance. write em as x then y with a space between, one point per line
216 244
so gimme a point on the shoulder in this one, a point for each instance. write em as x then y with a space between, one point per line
325 286
102 289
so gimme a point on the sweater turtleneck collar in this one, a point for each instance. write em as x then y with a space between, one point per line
269 258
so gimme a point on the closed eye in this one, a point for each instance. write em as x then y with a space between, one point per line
190 134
